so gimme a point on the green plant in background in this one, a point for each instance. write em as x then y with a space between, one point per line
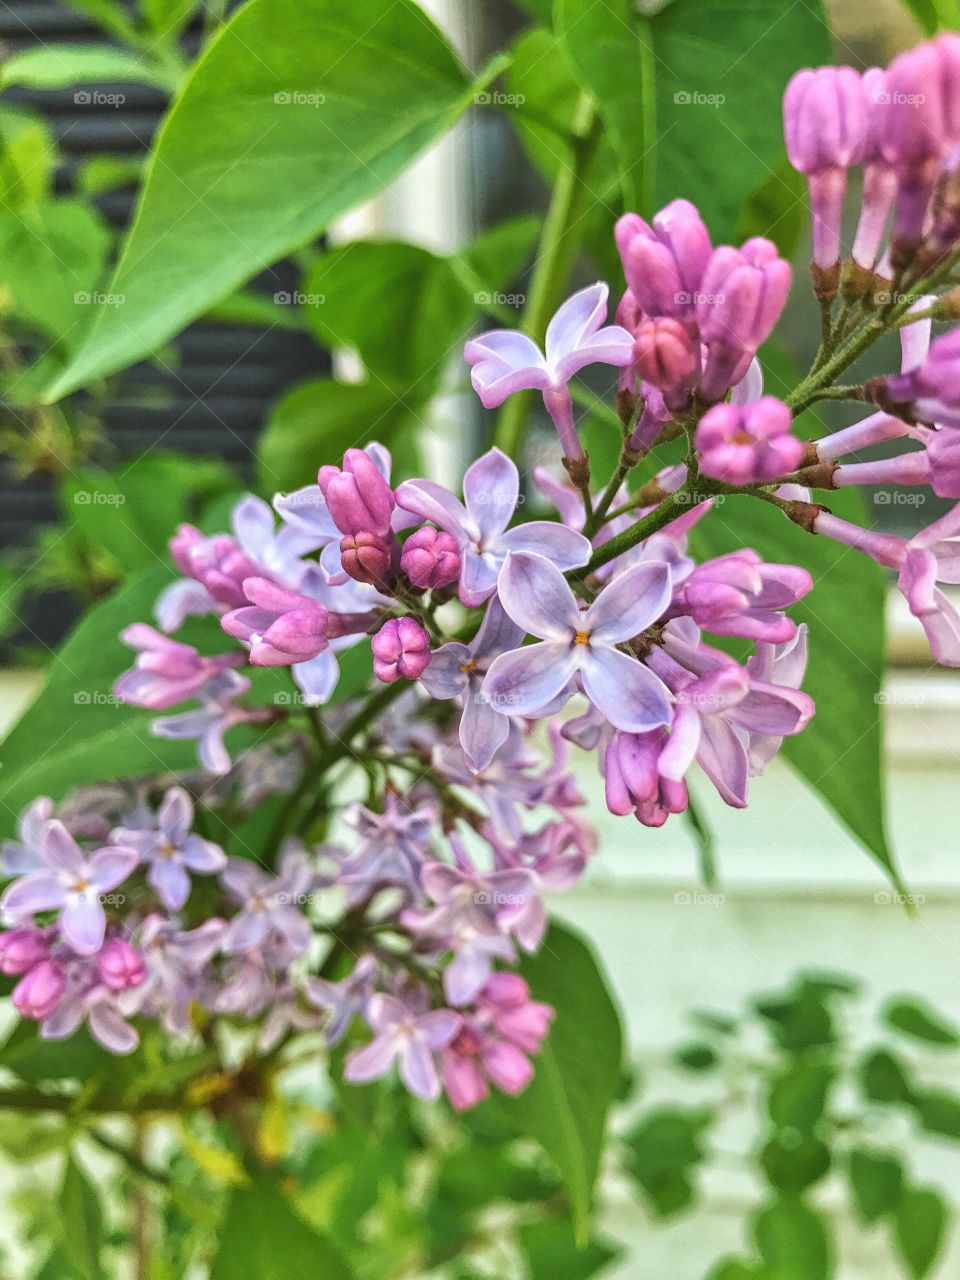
815 1099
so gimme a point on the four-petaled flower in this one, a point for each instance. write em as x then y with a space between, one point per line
409 1037
580 641
73 883
172 850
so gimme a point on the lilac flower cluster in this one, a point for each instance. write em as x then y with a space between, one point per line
498 645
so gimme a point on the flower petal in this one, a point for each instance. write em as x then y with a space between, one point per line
630 603
253 525
111 866
444 677
538 598
434 502
175 815
111 1030
59 850
317 677
723 758
38 891
438 1027
491 487
373 1060
83 923
566 548
202 856
505 361
418 1071
627 692
482 731
575 320
523 681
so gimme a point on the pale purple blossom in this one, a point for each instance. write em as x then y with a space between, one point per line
171 851
491 489
404 1036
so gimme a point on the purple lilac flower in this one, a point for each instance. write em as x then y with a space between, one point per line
391 849
775 664
493 1042
40 990
171 850
748 444
166 671
72 883
106 1012
664 263
668 358
879 176
21 949
739 595
931 392
269 904
505 361
824 121
583 642
281 627
431 558
633 782
458 670
404 1036
491 488
176 961
505 786
345 1000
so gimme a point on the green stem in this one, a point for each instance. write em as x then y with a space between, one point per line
559 242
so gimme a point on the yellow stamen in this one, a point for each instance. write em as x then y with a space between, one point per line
467 667
742 437
582 637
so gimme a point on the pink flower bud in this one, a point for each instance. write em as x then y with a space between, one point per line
358 498
742 296
667 357
430 558
366 557
401 648
39 992
21 949
824 120
747 444
280 626
121 965
664 264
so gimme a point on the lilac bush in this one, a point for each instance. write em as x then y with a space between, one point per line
394 921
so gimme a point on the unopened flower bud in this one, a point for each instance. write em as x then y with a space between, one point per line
401 648
121 965
366 557
21 949
358 497
431 559
39 992
747 444
664 263
667 357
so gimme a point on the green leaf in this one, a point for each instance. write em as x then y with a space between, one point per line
920 1225
316 421
60 66
883 1078
697 1057
75 731
402 307
81 1223
664 1149
28 158
262 1238
52 254
939 1111
876 1179
735 1269
295 111
839 753
920 1022
791 1166
493 259
577 1070
777 209
792 1240
551 1251
690 96
925 12
798 1096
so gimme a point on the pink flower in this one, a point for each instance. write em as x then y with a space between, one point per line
166 671
281 627
431 559
358 497
747 444
665 263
